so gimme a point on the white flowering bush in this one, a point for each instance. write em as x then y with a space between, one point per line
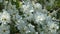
29 17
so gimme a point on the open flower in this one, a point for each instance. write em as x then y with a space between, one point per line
53 27
39 18
5 17
4 29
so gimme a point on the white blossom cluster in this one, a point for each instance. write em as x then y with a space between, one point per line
34 19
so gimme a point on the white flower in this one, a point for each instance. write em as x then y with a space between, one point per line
38 6
39 17
25 8
5 17
44 11
53 27
4 29
31 10
26 30
30 25
28 16
20 24
31 28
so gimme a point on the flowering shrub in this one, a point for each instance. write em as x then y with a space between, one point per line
29 17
